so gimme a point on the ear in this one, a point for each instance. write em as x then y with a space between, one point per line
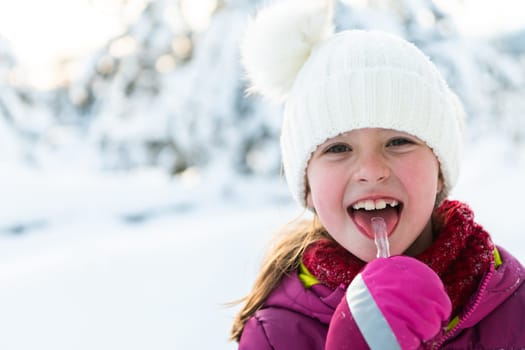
440 183
309 200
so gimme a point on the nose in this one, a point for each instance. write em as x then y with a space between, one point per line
371 168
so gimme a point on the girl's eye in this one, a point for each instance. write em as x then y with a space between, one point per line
400 141
338 148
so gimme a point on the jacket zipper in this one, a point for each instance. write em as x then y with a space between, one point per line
466 316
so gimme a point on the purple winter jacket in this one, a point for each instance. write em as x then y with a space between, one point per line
294 317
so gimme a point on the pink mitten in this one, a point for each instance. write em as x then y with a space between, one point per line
394 303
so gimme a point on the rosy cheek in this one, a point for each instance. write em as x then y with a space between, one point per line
421 177
319 194
321 187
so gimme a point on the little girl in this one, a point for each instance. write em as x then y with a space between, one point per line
371 145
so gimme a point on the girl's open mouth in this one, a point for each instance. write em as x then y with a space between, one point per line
363 211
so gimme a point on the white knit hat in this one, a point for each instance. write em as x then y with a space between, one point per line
351 80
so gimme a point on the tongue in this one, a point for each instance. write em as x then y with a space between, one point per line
363 219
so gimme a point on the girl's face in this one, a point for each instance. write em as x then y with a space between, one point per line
375 172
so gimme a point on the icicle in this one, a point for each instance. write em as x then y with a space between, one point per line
381 237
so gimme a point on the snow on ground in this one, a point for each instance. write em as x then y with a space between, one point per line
128 261
159 285
138 261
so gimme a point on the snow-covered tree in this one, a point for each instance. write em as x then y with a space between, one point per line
165 94
26 116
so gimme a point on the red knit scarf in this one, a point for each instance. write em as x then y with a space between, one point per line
461 254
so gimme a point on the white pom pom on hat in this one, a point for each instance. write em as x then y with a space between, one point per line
278 41
354 79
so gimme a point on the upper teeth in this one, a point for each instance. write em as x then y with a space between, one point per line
375 204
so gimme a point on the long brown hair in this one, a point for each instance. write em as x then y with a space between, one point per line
281 259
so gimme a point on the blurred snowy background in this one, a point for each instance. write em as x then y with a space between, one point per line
139 186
